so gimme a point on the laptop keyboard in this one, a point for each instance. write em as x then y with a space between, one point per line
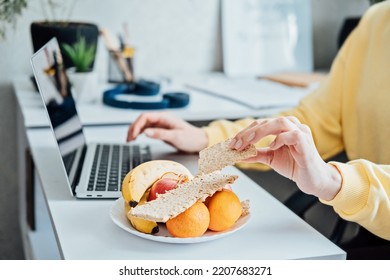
111 164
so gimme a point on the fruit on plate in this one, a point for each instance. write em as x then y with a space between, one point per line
142 177
227 186
166 183
140 224
225 209
166 192
193 222
136 187
170 204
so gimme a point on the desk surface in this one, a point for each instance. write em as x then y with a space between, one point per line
203 107
84 230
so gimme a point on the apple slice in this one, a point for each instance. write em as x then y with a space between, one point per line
167 182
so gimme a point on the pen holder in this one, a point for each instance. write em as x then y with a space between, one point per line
120 66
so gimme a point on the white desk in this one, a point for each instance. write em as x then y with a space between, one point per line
202 107
83 228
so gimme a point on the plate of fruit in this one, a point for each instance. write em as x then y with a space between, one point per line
119 217
162 201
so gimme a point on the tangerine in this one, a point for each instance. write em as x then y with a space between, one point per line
191 223
225 209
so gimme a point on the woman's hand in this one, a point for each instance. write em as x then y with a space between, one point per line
292 154
170 129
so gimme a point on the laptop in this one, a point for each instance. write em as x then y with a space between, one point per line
93 170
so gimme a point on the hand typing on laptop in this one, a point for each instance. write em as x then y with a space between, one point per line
170 129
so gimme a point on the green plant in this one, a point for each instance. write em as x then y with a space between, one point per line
10 10
81 54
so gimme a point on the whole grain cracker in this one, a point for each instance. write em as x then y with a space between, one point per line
176 201
220 155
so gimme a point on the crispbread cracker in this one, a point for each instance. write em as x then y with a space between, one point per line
176 201
245 207
220 155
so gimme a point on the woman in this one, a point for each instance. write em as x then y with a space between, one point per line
348 112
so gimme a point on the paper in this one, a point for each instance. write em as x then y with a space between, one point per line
262 37
296 79
250 92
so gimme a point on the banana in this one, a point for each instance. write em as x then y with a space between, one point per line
145 226
137 184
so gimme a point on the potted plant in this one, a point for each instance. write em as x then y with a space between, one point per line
83 79
66 31
80 54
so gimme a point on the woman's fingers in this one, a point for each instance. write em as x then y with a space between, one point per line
167 127
161 134
233 144
146 120
137 126
292 154
296 138
262 128
264 155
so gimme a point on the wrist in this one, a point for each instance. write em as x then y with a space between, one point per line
203 139
196 140
333 183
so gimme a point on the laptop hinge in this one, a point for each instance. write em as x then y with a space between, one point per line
80 164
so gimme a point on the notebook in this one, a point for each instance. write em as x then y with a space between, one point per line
93 170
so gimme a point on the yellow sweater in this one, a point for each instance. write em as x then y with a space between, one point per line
350 111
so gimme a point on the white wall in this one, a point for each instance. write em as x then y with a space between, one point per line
170 36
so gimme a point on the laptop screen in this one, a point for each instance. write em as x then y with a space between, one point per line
56 93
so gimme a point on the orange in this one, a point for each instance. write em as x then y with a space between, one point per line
225 209
191 223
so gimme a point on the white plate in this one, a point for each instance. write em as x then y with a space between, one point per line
118 216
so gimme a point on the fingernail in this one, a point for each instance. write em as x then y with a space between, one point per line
251 136
238 144
149 132
232 142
